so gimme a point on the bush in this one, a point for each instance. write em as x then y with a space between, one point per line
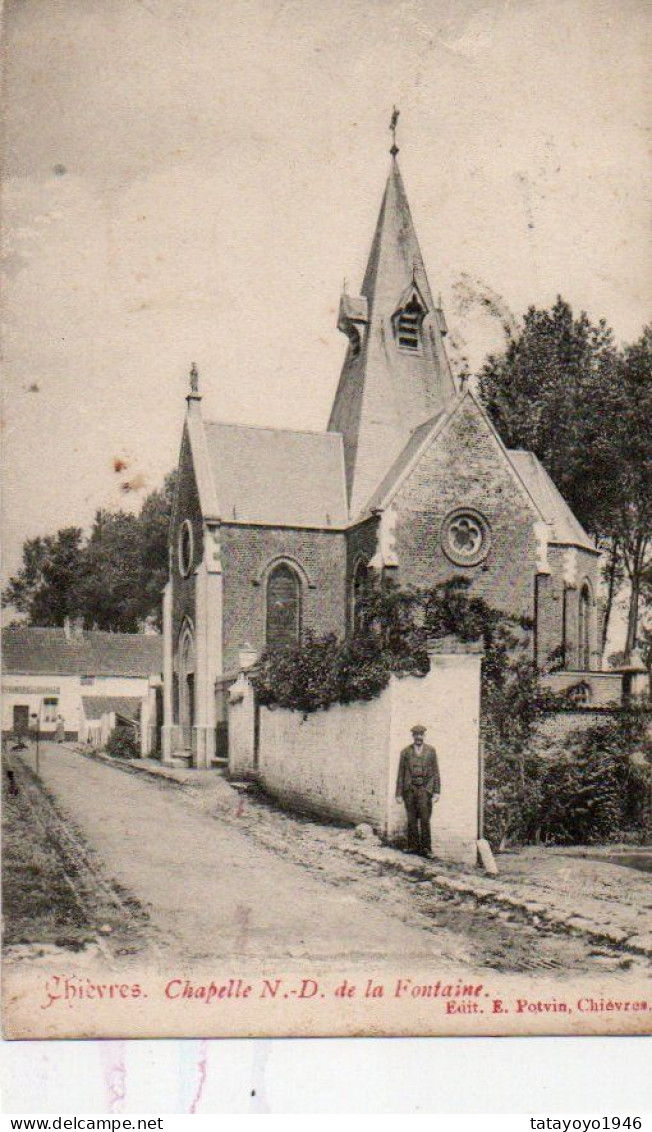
512 796
392 637
610 794
321 672
579 802
597 788
123 744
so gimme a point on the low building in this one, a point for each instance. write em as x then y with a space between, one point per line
78 679
102 714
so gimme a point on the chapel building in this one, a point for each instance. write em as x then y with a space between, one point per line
274 531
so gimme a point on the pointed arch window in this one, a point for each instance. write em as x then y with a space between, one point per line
283 607
584 628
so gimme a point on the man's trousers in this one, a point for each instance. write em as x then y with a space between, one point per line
418 805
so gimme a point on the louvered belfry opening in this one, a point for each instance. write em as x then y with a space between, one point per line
283 625
408 325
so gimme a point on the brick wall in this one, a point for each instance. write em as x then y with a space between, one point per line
360 545
605 689
464 467
559 605
246 553
558 726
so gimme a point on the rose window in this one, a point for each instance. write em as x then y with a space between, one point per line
466 538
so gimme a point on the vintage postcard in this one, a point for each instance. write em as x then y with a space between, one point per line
327 518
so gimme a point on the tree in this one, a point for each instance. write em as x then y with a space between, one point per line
45 588
112 580
109 595
154 524
552 392
631 521
563 391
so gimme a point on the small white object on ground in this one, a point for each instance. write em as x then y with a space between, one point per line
487 857
363 832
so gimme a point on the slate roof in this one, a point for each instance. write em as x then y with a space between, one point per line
127 706
37 651
385 392
277 476
403 461
566 529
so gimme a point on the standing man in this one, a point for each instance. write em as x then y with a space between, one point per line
418 785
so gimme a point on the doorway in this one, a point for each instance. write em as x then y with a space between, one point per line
187 687
21 720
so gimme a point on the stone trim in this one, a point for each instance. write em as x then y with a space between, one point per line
293 563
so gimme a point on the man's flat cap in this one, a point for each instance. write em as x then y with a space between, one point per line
419 729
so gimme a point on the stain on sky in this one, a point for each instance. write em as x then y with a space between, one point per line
136 483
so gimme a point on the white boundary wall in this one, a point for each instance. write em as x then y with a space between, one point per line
343 762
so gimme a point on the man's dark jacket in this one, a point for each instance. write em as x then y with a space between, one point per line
415 771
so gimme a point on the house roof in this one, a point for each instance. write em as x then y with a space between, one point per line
565 528
277 476
96 706
41 651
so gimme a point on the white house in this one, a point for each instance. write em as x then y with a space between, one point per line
89 679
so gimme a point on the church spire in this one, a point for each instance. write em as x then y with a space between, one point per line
396 374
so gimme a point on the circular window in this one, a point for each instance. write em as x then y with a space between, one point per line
466 537
186 548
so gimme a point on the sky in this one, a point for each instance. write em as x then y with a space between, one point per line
192 181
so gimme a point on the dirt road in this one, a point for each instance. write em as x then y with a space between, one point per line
222 876
209 889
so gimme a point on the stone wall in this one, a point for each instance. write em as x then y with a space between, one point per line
604 689
342 763
560 725
333 762
242 719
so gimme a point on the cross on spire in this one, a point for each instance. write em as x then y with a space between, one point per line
392 126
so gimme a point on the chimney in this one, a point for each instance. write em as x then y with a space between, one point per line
73 628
